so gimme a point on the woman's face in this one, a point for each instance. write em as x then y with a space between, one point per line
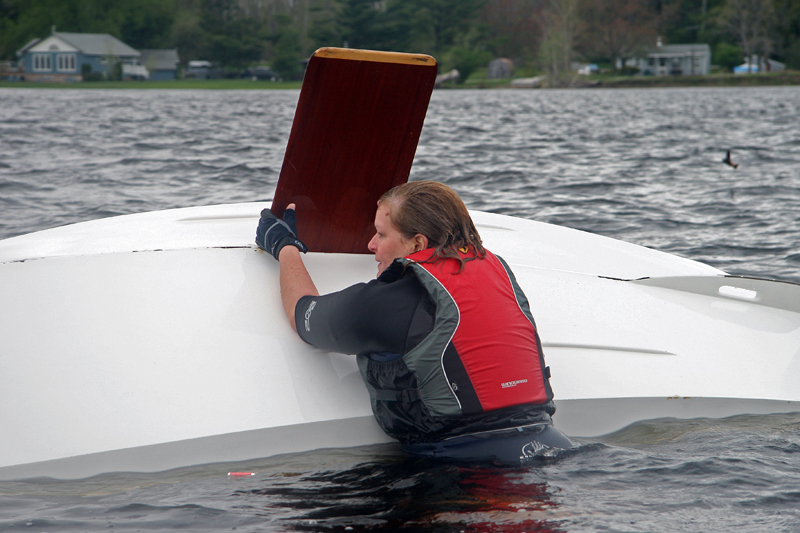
388 243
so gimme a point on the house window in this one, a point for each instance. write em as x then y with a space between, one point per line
42 62
66 62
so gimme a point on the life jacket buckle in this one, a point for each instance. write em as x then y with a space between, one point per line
410 395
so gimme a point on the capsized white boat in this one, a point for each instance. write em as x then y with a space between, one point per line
152 341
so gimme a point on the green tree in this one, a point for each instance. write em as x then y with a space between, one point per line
430 26
237 33
287 52
231 39
186 33
451 19
139 23
413 28
467 55
324 26
363 24
787 37
727 55
687 21
467 60
514 28
147 23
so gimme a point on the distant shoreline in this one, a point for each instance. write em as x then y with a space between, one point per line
223 84
789 77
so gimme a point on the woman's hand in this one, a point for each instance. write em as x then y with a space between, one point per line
273 233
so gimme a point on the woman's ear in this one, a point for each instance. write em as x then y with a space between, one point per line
420 242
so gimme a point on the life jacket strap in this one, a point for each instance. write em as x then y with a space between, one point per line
405 395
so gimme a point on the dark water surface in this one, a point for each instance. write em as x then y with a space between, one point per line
638 165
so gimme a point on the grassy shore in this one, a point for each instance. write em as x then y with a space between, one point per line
788 77
168 84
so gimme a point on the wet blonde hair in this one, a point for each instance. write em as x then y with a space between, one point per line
436 211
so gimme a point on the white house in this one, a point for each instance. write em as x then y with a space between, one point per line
675 60
67 56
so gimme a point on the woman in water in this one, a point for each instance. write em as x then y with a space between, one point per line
444 337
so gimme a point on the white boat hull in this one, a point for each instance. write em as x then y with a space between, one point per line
154 341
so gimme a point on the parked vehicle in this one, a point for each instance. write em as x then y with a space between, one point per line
261 73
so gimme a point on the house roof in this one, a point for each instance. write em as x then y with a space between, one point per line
680 49
97 44
159 59
29 45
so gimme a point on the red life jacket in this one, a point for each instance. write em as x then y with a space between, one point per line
495 335
480 367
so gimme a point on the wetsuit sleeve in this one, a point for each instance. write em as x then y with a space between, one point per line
363 318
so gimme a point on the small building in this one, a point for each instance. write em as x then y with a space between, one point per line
759 64
500 68
199 69
69 56
261 73
586 69
161 64
676 60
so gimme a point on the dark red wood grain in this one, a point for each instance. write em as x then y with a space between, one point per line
354 136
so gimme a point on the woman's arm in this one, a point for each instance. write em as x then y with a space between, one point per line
279 238
295 281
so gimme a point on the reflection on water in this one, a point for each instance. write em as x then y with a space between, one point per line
412 495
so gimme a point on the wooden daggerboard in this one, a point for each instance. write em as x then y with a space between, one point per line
354 136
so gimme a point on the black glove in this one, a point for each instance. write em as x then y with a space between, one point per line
273 233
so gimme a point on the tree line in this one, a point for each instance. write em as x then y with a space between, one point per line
538 35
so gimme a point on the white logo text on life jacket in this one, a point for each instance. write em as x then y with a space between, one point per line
508 384
311 307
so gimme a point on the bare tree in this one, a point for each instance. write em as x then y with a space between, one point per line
561 24
751 21
514 26
618 29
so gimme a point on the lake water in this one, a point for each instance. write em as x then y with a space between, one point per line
642 165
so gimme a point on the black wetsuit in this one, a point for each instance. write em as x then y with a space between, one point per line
382 321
